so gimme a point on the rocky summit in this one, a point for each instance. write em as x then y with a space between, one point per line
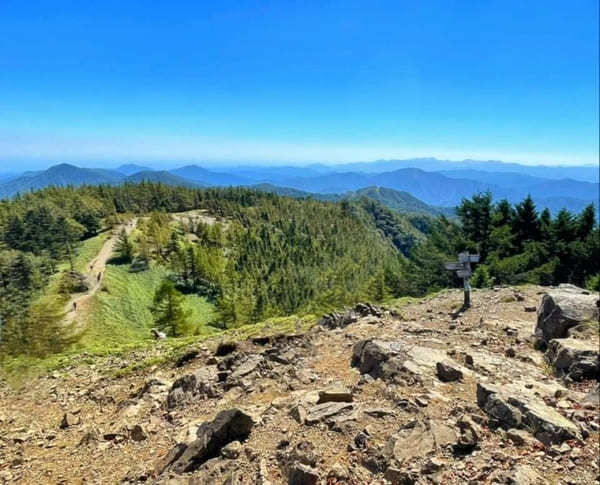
416 394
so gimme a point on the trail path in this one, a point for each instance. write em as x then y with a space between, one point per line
95 275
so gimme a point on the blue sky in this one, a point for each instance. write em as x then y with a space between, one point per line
298 81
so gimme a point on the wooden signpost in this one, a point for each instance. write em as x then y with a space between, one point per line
463 270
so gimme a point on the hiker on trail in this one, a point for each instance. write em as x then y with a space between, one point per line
100 276
74 306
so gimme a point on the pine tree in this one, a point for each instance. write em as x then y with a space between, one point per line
565 228
503 214
526 224
586 222
124 247
475 216
168 310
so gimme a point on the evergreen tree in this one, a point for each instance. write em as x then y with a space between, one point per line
586 222
565 229
503 214
526 224
168 310
124 247
475 217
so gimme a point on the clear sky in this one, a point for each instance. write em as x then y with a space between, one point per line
298 81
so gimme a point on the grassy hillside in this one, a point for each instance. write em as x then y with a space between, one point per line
120 313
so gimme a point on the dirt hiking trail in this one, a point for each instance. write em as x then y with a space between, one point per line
77 305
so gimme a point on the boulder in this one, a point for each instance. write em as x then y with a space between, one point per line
347 317
336 392
577 359
419 438
447 372
198 385
513 409
232 450
247 366
69 420
562 309
519 437
378 357
212 436
395 361
397 476
303 475
469 435
321 412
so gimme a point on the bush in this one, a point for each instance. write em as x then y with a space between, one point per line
593 283
481 277
72 282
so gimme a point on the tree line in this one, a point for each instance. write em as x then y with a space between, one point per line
273 255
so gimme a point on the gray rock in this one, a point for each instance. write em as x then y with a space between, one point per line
519 437
447 372
343 319
419 438
577 359
228 426
562 309
69 420
302 475
232 450
336 392
371 355
248 366
497 406
137 433
514 409
469 435
320 412
397 476
199 385
525 475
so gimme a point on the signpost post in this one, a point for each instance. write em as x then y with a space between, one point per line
463 270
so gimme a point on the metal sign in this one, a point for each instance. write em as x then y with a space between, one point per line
453 266
463 270
468 258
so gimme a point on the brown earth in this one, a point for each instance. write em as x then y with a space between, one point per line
406 426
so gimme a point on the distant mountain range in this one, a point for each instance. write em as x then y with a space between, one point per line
584 173
406 189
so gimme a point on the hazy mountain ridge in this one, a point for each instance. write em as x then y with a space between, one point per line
132 168
434 189
585 173
161 177
207 177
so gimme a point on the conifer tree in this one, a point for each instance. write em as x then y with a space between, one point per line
168 310
124 247
526 225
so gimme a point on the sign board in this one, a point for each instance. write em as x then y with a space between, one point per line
463 270
453 266
468 258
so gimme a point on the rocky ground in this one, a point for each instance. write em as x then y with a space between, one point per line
420 394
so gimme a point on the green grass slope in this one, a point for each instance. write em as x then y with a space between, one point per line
119 315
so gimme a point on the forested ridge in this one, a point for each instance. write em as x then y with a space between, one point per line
269 255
